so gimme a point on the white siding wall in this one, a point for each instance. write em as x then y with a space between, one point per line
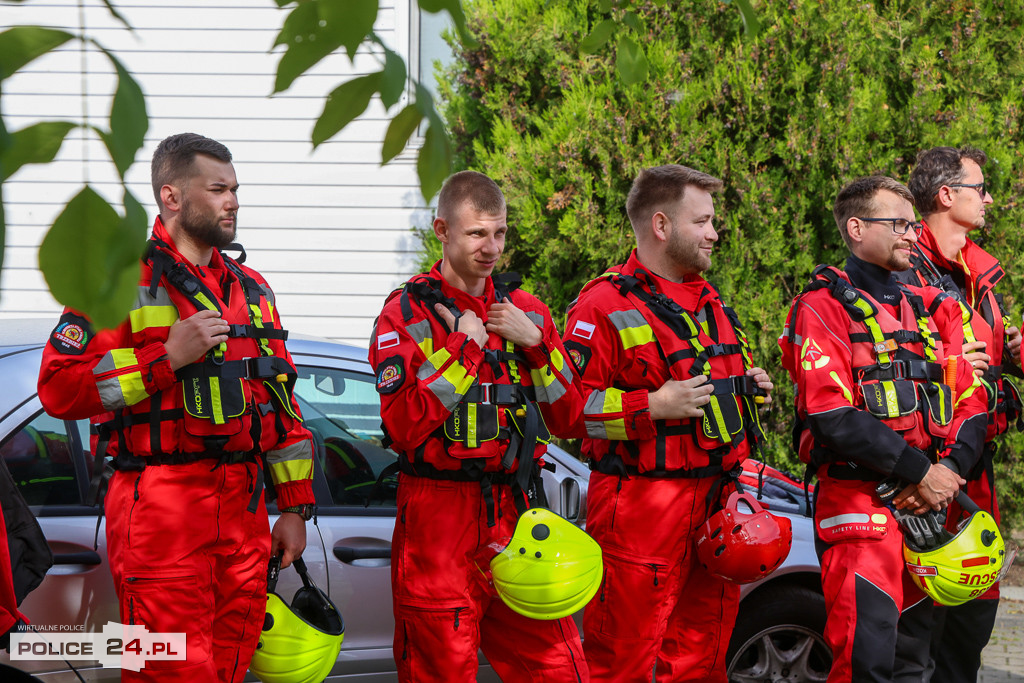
330 229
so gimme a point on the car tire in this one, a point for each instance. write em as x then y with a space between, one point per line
778 637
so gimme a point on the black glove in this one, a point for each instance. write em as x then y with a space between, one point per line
923 532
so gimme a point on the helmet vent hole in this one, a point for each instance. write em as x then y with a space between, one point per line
719 550
716 532
268 622
764 568
736 529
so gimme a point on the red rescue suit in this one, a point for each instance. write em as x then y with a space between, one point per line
452 410
187 531
628 333
870 363
972 279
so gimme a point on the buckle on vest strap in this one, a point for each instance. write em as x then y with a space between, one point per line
257 368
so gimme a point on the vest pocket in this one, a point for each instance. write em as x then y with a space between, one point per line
214 402
722 421
937 400
890 399
472 423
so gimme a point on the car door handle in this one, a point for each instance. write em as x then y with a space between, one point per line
85 557
348 554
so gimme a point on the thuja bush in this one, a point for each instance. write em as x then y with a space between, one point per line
826 92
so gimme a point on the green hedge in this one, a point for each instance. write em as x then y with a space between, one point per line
826 92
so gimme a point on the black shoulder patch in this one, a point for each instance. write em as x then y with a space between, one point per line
72 334
390 375
579 353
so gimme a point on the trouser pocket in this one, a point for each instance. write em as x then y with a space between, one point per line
631 596
436 643
168 603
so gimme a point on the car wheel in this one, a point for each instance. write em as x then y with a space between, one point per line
778 637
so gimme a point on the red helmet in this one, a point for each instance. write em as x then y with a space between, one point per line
744 546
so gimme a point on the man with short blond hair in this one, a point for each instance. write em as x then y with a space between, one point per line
465 360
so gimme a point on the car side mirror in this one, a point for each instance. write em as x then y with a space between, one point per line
569 495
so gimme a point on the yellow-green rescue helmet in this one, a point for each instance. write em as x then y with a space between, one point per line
963 567
550 568
300 642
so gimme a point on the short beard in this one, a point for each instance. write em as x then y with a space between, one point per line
205 230
687 256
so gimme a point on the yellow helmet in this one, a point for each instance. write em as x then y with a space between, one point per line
550 568
963 567
299 643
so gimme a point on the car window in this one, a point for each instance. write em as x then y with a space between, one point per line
40 457
342 411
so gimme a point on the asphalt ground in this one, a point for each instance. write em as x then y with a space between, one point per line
1003 658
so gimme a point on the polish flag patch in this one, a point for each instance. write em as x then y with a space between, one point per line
386 341
582 329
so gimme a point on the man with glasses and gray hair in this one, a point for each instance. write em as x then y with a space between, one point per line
951 194
889 419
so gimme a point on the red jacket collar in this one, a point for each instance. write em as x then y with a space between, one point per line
160 233
693 293
982 267
459 295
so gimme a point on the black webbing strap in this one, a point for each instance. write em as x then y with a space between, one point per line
261 367
901 369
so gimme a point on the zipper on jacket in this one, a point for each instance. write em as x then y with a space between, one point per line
405 641
457 610
131 609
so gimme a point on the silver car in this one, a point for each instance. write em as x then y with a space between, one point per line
348 548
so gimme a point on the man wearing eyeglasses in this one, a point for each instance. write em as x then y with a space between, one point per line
882 408
950 193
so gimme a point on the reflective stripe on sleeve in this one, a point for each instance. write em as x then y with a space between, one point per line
291 463
632 327
450 380
119 390
152 311
605 402
420 333
546 387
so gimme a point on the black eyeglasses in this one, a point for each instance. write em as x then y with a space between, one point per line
980 187
899 225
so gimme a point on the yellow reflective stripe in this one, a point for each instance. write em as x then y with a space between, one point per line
878 338
716 410
291 470
616 429
966 315
892 406
846 392
132 388
257 321
513 367
471 439
929 342
427 346
458 377
636 336
202 298
216 405
152 316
